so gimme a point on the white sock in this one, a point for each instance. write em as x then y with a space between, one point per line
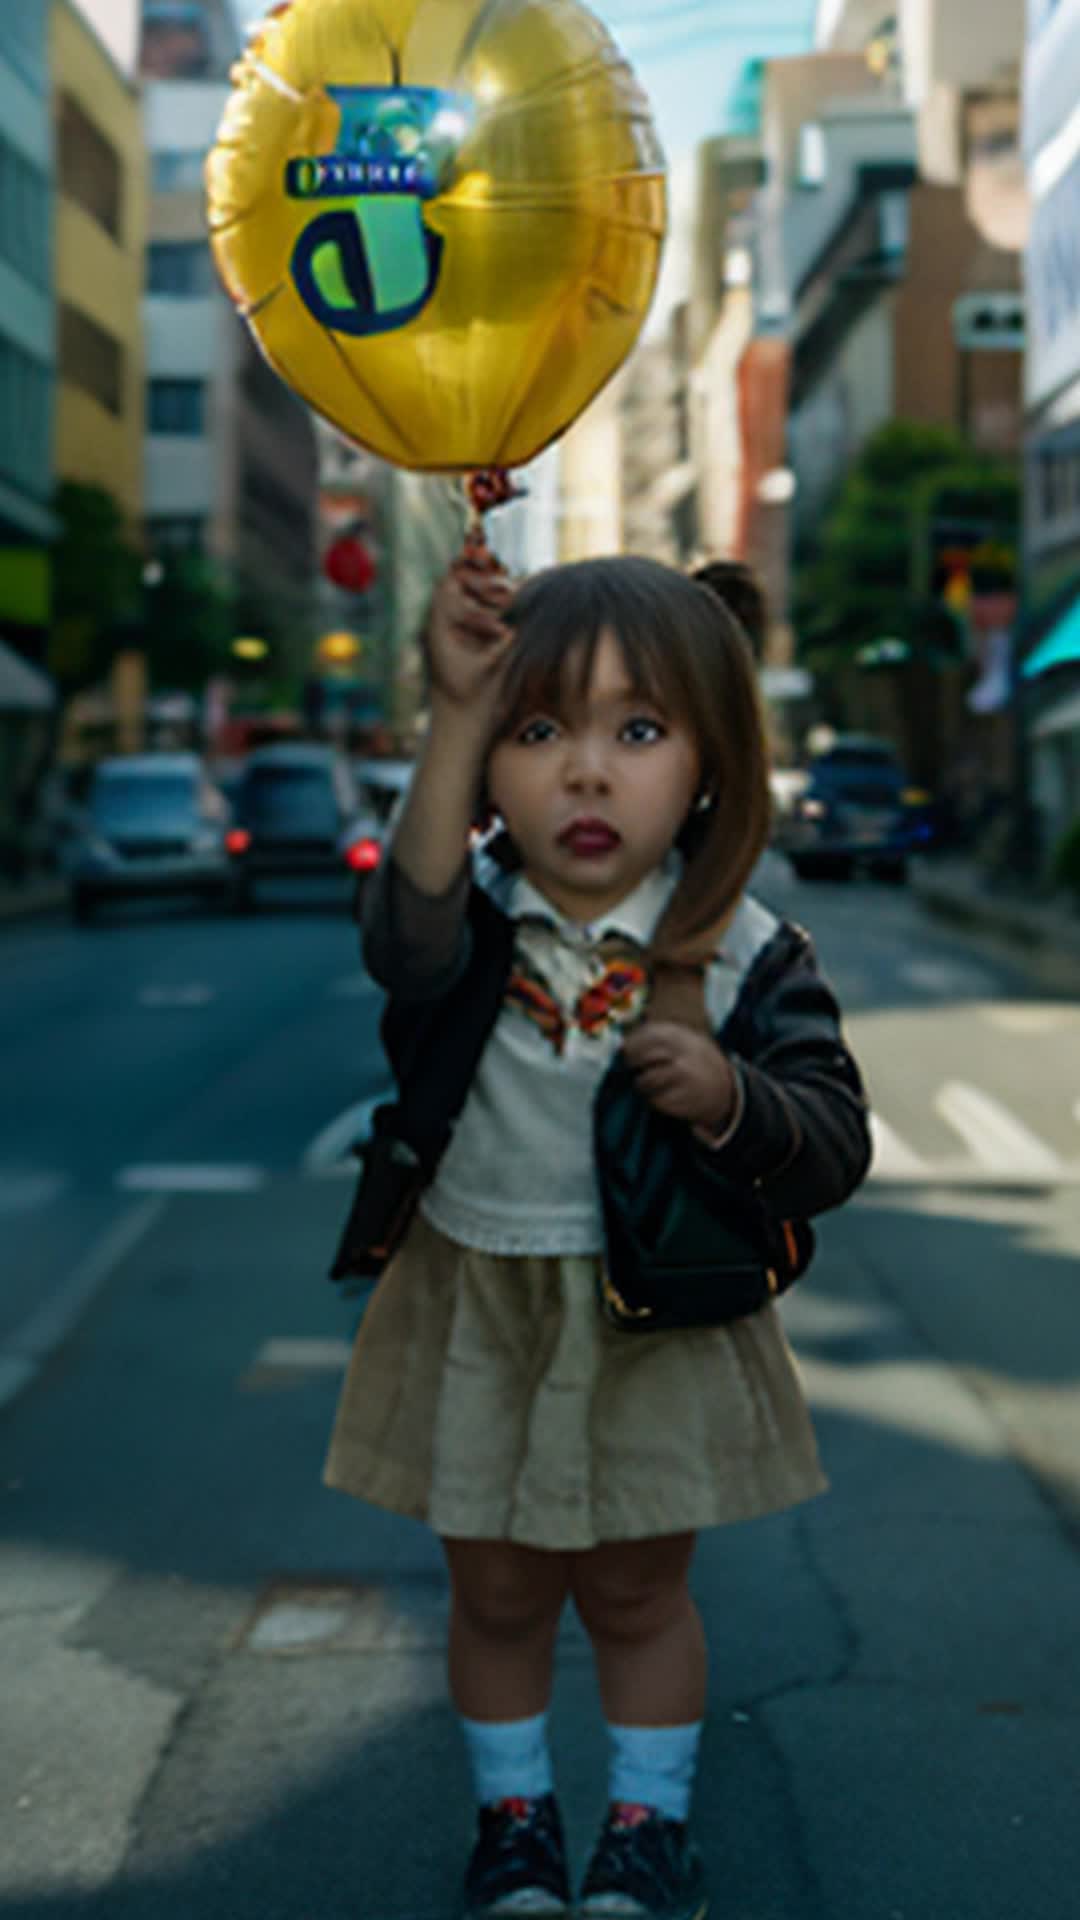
654 1767
509 1758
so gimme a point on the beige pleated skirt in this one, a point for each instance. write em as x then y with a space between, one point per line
489 1396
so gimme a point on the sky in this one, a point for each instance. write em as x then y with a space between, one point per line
115 21
689 54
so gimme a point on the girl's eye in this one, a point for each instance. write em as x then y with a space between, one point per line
642 730
536 732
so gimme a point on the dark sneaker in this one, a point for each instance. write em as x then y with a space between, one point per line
518 1864
643 1868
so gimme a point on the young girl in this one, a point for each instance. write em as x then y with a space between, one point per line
607 715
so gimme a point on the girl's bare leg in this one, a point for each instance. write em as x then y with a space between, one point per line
506 1602
635 1605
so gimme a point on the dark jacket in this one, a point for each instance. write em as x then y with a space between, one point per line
802 1143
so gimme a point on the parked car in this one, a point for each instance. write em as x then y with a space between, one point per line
152 823
299 814
858 810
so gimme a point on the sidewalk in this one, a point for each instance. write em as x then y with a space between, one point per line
1041 935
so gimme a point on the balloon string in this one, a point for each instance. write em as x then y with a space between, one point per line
486 489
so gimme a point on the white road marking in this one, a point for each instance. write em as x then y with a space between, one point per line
893 1158
27 1346
27 1192
353 986
195 995
329 1156
1027 1021
304 1355
993 1135
190 1179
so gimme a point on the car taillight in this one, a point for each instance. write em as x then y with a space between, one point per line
237 840
363 856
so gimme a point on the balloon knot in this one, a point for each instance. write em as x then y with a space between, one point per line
488 488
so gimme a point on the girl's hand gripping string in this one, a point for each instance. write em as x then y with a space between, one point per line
467 639
682 1073
467 644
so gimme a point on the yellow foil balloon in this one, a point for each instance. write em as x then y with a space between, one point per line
442 218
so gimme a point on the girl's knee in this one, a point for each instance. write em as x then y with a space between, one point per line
631 1594
506 1593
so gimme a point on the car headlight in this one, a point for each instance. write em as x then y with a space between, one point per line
813 809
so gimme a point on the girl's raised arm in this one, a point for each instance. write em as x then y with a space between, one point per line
414 913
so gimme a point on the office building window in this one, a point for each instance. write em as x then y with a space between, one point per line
175 41
89 358
178 267
25 421
176 172
176 406
88 166
24 217
176 533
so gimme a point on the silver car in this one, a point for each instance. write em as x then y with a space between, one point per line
153 823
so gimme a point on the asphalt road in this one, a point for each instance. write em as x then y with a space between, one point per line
221 1686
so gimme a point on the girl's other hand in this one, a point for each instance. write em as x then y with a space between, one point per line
467 638
682 1073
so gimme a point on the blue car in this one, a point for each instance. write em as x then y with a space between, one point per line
858 810
153 823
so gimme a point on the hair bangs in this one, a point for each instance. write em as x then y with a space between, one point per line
560 618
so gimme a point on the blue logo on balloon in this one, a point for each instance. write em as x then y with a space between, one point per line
372 265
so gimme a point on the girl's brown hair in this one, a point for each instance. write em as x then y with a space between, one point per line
683 650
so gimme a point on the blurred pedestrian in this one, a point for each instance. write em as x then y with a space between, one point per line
601 1046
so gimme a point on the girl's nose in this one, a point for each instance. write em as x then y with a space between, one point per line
586 764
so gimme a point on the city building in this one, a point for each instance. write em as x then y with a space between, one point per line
1051 664
230 460
888 254
100 234
720 326
27 327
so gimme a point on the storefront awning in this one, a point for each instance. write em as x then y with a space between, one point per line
1060 648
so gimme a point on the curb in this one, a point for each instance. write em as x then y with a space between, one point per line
1042 938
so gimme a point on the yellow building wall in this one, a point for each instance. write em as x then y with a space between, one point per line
101 276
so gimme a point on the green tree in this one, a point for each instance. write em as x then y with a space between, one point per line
869 576
186 622
96 584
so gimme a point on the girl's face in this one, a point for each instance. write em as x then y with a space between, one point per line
593 801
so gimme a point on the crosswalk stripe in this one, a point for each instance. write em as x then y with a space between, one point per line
994 1136
190 1179
329 1154
893 1158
